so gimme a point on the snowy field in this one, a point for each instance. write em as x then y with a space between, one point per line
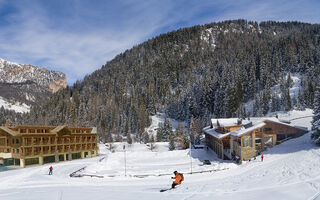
289 171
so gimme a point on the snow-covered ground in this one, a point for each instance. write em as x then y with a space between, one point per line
16 106
289 171
159 118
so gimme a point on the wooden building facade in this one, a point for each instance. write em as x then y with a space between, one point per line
27 145
248 139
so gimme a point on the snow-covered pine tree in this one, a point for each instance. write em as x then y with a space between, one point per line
171 142
315 136
275 103
167 130
160 132
300 101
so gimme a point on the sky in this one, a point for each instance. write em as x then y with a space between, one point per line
77 37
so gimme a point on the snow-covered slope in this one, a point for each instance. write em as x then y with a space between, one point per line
289 171
16 106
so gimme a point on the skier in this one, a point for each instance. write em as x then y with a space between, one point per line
50 170
261 158
178 179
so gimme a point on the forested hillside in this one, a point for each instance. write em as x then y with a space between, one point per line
198 72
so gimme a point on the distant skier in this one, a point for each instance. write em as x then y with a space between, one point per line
261 158
50 170
178 179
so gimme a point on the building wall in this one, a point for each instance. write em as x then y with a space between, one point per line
215 144
277 128
38 146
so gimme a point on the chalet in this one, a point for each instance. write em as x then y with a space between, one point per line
26 145
244 139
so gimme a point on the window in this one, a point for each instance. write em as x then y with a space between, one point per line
246 141
17 141
267 129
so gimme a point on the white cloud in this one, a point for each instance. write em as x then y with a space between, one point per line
86 35
32 40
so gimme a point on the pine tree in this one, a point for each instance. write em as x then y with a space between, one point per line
160 131
129 138
171 142
275 103
167 130
300 101
146 137
195 130
109 138
288 101
316 118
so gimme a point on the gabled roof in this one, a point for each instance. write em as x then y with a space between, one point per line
243 130
286 124
211 131
57 129
247 126
6 129
224 122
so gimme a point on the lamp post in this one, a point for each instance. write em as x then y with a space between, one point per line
190 154
125 161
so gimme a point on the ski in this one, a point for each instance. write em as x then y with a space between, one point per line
163 190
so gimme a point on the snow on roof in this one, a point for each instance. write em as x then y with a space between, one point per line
58 128
212 132
257 122
94 130
285 124
225 122
243 130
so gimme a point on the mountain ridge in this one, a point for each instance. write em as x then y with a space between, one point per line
197 72
28 84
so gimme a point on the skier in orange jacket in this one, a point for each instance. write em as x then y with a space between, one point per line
178 179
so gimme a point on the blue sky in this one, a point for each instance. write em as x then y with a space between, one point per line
78 37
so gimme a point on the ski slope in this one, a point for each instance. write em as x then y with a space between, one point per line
289 171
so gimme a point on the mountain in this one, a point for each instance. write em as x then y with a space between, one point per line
24 85
199 72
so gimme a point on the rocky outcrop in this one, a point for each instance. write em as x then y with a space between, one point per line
28 84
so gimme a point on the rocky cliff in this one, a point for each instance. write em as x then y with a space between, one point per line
27 84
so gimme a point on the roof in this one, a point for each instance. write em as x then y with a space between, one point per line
243 130
57 129
94 130
6 129
286 124
225 122
212 132
248 125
